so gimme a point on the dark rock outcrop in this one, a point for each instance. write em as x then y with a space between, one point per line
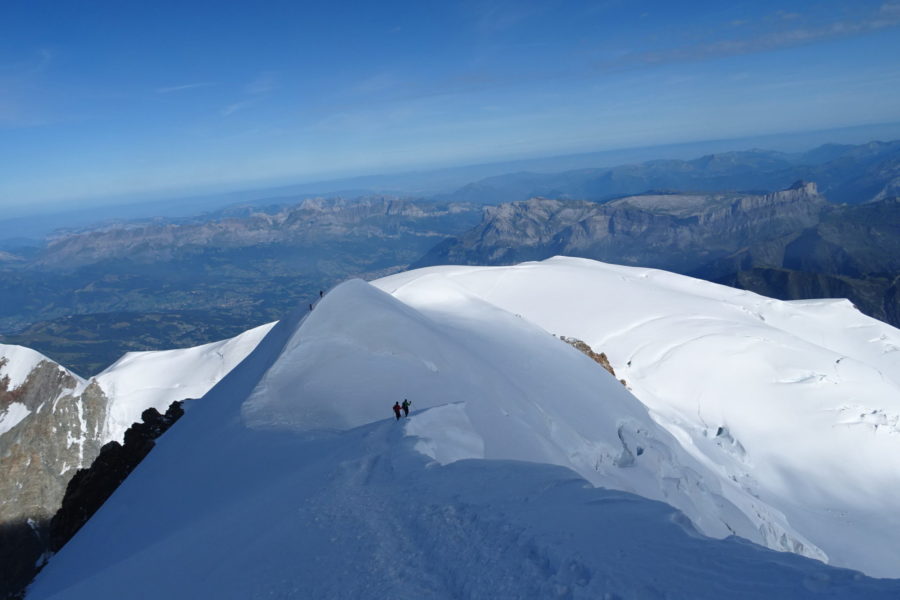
90 488
22 547
601 358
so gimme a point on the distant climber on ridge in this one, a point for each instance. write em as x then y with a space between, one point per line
397 410
405 407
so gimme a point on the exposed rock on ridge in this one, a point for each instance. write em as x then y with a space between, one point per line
601 358
91 487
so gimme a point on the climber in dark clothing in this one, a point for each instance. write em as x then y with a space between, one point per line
397 410
405 407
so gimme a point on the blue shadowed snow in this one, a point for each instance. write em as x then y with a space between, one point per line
360 514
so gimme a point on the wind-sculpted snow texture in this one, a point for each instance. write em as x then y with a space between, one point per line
794 405
292 478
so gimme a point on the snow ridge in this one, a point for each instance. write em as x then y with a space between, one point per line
141 380
792 404
293 478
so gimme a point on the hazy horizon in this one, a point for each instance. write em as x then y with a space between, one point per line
439 179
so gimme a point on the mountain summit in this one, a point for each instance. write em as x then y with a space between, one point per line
750 416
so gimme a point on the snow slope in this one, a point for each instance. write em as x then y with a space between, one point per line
17 362
141 380
292 480
12 415
794 404
517 393
359 514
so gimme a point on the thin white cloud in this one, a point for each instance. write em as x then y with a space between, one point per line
180 88
377 83
235 107
19 105
34 64
493 16
265 83
886 17
787 16
261 87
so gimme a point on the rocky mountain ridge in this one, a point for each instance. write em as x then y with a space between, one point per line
309 221
672 231
53 423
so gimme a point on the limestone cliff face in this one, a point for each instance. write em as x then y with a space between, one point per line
672 231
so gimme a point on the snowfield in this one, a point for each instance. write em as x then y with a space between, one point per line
795 405
12 415
770 420
141 380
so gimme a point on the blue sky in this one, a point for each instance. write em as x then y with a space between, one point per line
112 99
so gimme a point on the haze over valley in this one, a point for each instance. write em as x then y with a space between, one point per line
84 296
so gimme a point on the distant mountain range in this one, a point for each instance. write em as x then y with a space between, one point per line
681 232
844 173
90 294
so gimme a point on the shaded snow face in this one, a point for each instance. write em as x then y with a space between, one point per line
794 405
254 514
